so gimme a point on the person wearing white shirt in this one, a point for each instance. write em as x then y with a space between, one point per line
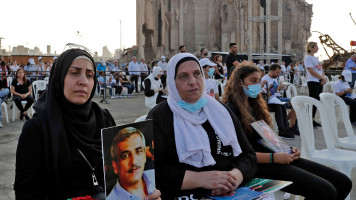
283 67
210 85
134 71
14 67
144 71
163 65
316 78
41 69
343 90
115 67
128 155
261 65
275 103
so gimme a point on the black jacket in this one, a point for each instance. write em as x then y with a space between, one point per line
170 172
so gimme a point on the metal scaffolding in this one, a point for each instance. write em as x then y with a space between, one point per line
265 53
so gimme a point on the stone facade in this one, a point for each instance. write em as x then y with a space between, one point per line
163 25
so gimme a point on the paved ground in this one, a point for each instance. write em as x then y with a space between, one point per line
124 110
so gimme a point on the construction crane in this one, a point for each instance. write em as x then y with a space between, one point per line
326 40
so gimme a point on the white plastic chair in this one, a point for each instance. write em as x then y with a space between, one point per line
291 90
46 79
223 88
342 160
142 118
330 101
5 109
304 84
9 81
336 78
39 85
23 104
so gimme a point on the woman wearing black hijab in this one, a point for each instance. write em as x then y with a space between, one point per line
59 150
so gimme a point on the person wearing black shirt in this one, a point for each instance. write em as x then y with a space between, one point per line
232 60
200 147
21 91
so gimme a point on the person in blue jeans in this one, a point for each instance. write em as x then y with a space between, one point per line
3 94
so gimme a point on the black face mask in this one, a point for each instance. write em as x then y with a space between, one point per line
206 54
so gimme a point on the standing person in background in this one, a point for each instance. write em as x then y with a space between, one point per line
284 69
163 65
181 49
101 67
31 70
144 71
232 60
203 53
134 71
351 66
41 71
316 77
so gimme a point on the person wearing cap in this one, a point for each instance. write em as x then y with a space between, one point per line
153 88
101 66
351 66
54 58
31 70
41 69
163 65
232 60
343 90
210 85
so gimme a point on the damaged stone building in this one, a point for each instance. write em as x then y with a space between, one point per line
163 25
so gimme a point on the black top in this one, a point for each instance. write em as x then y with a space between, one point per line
2 84
22 89
48 163
170 172
221 70
252 137
34 181
230 59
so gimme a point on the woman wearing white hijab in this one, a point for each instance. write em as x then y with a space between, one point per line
200 147
153 88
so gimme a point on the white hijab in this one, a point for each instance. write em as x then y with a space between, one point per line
192 141
155 83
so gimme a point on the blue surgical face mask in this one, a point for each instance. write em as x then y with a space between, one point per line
193 107
253 90
164 60
211 71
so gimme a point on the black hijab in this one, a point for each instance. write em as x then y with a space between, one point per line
67 126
